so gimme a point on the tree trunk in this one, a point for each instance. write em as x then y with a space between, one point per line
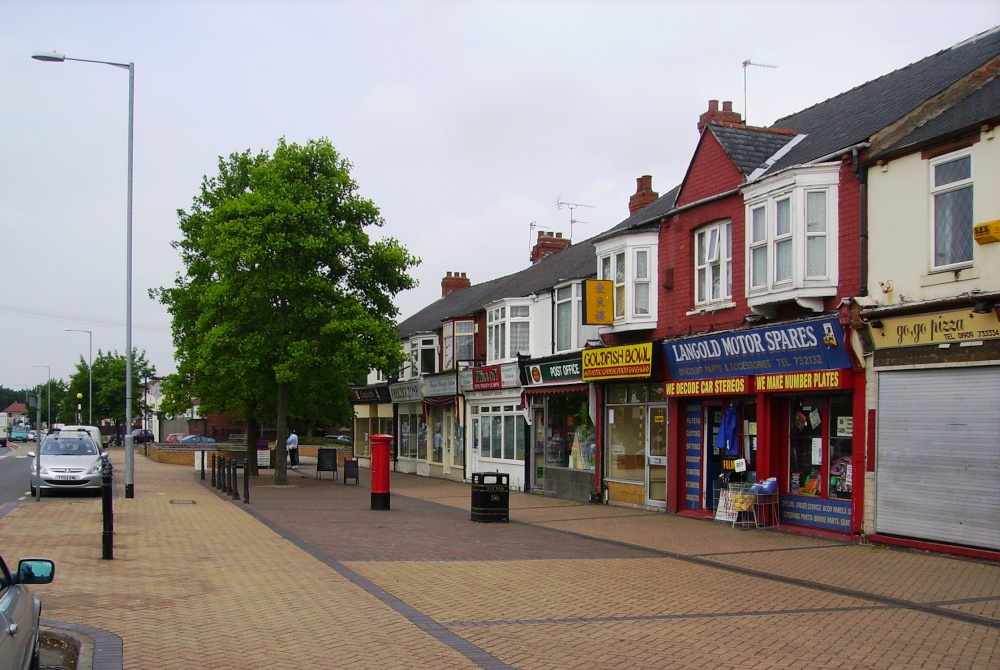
280 452
252 444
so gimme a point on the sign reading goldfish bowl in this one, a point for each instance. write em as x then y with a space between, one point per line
792 347
629 360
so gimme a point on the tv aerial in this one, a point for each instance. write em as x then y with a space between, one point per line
560 203
748 63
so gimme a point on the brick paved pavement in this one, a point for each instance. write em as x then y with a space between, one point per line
308 576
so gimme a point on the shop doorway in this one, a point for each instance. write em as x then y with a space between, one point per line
538 441
447 438
656 457
711 455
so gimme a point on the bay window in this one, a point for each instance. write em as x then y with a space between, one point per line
508 331
457 339
631 267
423 356
791 234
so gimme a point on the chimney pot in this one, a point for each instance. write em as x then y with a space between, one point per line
713 105
727 105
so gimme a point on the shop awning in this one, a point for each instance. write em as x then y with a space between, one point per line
556 388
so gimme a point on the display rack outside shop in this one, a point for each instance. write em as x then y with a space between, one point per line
738 506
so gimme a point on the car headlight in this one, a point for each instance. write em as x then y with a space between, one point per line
95 468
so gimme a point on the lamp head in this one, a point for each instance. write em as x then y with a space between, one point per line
49 57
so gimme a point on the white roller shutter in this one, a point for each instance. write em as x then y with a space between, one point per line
937 468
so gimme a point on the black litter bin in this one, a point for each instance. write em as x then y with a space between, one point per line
490 497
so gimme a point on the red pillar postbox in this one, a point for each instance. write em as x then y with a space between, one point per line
381 447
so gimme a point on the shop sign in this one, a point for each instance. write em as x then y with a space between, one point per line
494 377
598 302
370 394
565 370
960 325
628 360
821 380
406 392
816 512
724 386
792 347
440 386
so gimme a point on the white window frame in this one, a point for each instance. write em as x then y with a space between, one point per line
423 348
763 198
567 297
944 189
465 339
501 319
719 255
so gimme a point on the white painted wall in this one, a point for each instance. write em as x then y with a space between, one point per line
900 218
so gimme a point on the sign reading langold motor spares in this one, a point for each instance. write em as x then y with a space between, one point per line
629 360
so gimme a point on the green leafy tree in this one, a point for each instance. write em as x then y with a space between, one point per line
109 388
285 297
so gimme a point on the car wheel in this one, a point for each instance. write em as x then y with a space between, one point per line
36 655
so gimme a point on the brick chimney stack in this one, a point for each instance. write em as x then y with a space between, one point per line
548 244
454 281
714 115
644 194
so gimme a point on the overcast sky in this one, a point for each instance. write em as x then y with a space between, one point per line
464 122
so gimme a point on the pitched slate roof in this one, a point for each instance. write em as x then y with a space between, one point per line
577 261
749 147
854 116
650 214
982 105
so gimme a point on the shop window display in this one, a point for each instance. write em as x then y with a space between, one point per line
626 431
570 438
820 446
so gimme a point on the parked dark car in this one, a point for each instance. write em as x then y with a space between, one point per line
20 609
142 436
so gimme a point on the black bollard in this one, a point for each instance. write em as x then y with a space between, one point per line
214 485
107 512
236 487
202 465
225 475
246 482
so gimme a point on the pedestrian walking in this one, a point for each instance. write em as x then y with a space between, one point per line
292 443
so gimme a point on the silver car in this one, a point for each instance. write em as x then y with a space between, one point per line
68 461
20 610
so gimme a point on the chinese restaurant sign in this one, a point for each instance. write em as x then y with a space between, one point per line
960 325
629 360
598 302
793 347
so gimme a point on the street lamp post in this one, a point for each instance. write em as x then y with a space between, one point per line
90 374
53 57
48 395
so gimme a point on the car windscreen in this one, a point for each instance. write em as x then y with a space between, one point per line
69 446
